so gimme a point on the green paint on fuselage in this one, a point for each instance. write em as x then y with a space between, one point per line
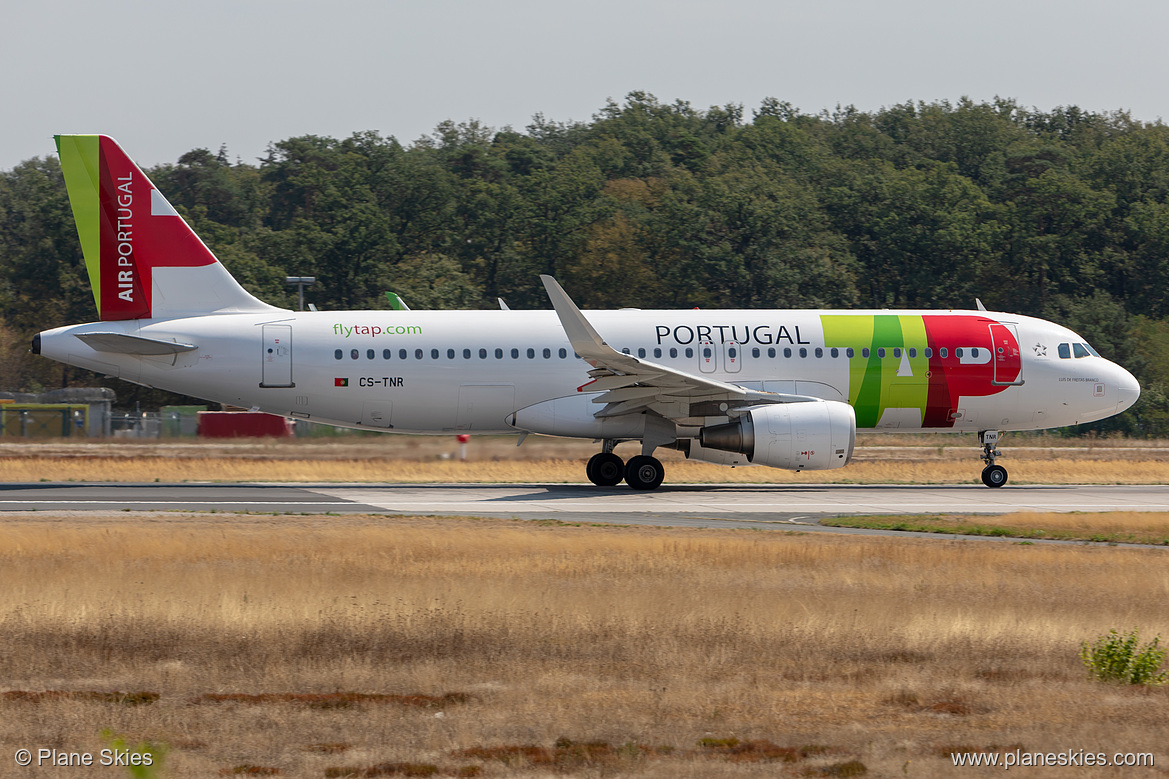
873 384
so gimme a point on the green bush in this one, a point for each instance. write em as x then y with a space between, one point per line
1116 658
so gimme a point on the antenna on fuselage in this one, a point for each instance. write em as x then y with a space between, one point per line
980 306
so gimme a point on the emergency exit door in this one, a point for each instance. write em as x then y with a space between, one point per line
277 356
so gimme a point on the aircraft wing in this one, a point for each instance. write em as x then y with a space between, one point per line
631 385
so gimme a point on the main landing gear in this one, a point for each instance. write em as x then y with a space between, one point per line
642 472
992 475
605 469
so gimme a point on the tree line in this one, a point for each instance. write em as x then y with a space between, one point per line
1061 214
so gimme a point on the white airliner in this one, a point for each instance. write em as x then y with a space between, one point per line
788 389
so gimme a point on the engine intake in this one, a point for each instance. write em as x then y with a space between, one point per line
812 436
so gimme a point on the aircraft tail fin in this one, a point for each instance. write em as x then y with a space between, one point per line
144 261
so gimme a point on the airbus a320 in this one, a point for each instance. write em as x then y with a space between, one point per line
780 388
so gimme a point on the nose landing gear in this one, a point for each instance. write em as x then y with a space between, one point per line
992 475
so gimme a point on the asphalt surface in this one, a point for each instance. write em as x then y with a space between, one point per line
680 505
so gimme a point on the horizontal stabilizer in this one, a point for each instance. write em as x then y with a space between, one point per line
122 343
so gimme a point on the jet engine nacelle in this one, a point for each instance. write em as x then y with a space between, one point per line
812 436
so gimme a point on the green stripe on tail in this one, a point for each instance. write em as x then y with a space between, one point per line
80 164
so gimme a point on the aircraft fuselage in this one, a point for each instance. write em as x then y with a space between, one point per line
447 371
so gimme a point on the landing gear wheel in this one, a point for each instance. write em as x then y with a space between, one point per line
994 476
644 473
605 469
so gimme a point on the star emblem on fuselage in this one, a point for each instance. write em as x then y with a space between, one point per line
1040 350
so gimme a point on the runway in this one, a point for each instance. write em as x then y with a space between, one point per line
686 505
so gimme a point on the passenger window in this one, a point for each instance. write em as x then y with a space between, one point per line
386 354
944 352
641 352
450 354
754 351
338 354
515 354
787 352
974 352
732 352
369 354
771 351
401 354
803 352
897 352
912 352
865 352
482 354
563 354
689 351
354 354
673 351
499 354
881 352
850 353
929 352
706 352
958 352
1065 352
434 354
466 354
657 353
819 352
1079 351
531 354
625 350
547 354
418 354
835 352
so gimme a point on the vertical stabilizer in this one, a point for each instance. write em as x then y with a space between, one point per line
144 261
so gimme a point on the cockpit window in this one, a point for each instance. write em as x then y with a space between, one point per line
1080 350
1091 351
1065 351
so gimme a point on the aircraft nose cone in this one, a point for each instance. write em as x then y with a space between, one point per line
1128 389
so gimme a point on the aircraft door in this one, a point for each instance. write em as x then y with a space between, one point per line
1008 362
707 356
277 356
732 356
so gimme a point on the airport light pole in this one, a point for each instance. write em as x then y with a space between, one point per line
301 282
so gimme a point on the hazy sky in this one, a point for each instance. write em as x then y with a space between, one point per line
166 77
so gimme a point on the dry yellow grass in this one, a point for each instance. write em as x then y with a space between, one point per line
168 469
885 651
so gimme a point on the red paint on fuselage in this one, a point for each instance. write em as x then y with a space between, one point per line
950 378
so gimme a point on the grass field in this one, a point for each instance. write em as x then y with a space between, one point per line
904 459
1117 527
327 646
145 469
942 459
